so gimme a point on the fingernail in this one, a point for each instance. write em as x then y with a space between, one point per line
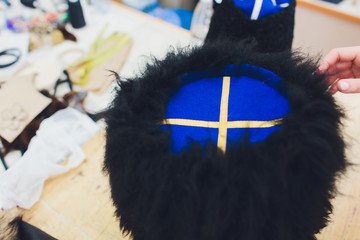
344 86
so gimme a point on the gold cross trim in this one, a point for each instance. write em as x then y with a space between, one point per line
223 124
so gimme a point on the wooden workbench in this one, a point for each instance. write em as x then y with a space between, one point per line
345 221
77 206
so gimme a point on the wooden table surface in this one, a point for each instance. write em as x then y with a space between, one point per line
345 220
77 206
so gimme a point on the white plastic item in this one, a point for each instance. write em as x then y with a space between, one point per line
201 19
139 4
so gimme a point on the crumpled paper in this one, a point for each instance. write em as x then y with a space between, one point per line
58 138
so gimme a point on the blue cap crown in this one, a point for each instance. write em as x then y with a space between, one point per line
222 105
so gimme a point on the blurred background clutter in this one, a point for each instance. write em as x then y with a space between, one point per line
177 12
63 48
53 55
56 54
60 61
67 47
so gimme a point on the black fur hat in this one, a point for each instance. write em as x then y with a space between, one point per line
277 188
273 33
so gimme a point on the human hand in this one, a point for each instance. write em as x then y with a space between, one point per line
343 67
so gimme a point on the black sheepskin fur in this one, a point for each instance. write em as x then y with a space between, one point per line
17 229
278 189
273 33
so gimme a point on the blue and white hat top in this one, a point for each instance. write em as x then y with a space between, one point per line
256 9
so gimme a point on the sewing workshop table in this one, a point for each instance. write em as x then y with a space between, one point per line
77 205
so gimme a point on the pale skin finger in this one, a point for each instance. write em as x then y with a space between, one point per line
342 64
348 54
348 85
339 70
340 67
332 78
333 89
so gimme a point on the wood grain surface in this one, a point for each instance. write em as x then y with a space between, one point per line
345 220
76 205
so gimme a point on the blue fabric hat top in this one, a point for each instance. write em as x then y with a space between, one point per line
256 9
222 105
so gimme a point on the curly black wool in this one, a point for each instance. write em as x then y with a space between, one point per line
278 189
273 33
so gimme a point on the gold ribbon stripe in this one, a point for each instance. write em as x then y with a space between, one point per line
223 119
223 124
191 123
230 124
253 124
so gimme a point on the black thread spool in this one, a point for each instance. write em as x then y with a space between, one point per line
76 14
29 3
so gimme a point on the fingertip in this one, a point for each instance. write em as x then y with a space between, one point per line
343 86
321 68
349 85
332 89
